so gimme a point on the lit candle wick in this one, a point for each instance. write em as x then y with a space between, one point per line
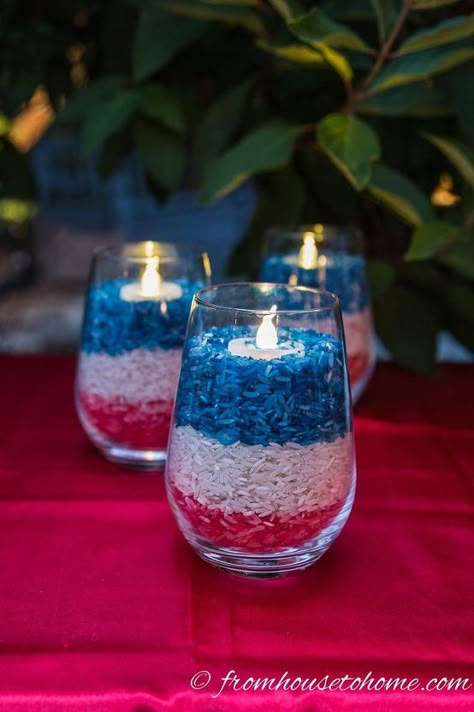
267 335
308 255
150 282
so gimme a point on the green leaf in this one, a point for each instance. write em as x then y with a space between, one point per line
455 28
162 152
458 86
294 53
353 10
106 118
386 14
287 8
380 275
432 4
159 37
412 68
219 125
281 202
158 102
265 149
398 193
230 14
459 155
408 100
315 28
430 238
460 256
351 144
336 60
407 326
79 104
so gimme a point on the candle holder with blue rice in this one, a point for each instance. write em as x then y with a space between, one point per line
261 472
135 319
329 258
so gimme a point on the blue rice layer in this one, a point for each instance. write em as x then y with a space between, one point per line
345 277
298 399
113 326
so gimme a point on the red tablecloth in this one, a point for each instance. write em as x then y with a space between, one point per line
103 607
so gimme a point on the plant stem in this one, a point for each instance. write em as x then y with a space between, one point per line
384 50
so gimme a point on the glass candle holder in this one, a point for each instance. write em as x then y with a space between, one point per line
261 472
135 319
329 258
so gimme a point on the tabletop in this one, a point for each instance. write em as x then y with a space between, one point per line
104 607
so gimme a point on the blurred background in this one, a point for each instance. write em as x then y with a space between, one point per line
208 122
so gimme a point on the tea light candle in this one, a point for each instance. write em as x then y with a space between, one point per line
265 347
151 286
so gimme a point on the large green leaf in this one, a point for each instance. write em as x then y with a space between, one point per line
455 28
230 13
412 68
460 256
159 37
106 118
281 202
460 155
158 102
336 60
265 149
77 106
407 325
351 144
315 27
219 125
432 4
418 99
380 275
431 237
162 152
300 54
287 8
400 194
458 85
386 12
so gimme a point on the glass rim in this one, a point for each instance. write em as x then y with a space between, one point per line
117 252
333 307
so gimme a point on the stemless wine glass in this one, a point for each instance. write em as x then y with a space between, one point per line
135 318
261 471
331 258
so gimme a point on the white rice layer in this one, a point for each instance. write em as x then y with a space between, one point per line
135 376
359 331
281 480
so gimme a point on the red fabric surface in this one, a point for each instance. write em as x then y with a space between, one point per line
103 607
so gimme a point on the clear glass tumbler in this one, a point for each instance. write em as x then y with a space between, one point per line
135 318
332 258
261 470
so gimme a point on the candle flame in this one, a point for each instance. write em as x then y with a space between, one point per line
308 255
267 336
150 282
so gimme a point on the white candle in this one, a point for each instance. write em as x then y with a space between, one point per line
151 286
265 346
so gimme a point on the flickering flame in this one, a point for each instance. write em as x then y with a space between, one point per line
150 282
442 196
267 336
308 255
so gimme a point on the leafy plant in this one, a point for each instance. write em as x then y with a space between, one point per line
344 111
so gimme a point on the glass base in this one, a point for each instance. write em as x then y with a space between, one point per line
148 460
270 564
